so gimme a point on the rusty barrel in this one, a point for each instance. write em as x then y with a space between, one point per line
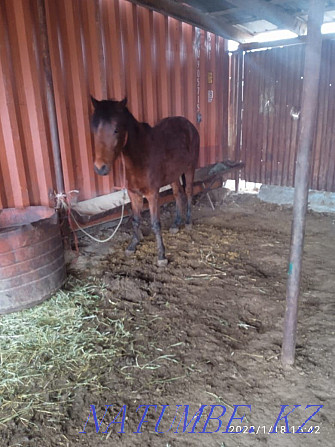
32 265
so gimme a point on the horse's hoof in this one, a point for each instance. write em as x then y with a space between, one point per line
188 227
174 230
129 252
162 262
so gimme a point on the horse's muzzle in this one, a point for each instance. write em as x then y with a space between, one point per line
103 170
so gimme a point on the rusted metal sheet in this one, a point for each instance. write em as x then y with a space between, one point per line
273 81
165 67
32 265
323 170
109 49
116 49
26 173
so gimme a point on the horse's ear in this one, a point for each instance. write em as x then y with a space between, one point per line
95 102
123 103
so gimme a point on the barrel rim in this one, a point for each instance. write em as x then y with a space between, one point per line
35 219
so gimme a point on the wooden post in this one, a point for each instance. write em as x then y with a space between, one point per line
302 175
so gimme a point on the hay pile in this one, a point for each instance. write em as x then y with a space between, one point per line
47 352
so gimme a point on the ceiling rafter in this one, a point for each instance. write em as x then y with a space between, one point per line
196 17
274 14
239 20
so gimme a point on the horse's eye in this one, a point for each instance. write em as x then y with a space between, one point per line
116 130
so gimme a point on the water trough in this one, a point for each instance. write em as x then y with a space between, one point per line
32 265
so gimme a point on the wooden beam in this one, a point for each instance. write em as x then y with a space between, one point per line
281 43
302 175
195 17
274 14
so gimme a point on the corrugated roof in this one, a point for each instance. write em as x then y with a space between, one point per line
240 20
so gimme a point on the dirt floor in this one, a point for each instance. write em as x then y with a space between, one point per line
205 331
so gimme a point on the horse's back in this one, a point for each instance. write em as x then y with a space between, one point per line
174 149
178 134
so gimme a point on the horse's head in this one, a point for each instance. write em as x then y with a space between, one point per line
109 124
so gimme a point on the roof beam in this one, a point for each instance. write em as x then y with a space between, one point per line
195 17
272 13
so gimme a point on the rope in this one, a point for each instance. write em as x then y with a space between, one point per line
101 241
63 201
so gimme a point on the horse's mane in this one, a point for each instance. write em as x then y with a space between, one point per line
109 107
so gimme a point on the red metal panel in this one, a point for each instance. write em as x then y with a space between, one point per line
26 165
142 54
175 63
107 49
221 81
160 30
273 82
13 184
324 152
189 69
56 35
166 67
232 104
148 84
94 65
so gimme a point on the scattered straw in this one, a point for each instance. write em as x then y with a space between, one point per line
53 349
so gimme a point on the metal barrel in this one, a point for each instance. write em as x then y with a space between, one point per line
32 265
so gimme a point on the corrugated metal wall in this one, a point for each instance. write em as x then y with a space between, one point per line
273 82
108 48
26 169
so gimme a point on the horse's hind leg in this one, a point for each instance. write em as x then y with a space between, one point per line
137 205
189 177
156 227
178 195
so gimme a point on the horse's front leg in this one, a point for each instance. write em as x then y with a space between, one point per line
156 227
136 205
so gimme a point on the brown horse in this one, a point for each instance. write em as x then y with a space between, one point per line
153 156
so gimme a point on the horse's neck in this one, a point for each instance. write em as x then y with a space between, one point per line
133 127
132 149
